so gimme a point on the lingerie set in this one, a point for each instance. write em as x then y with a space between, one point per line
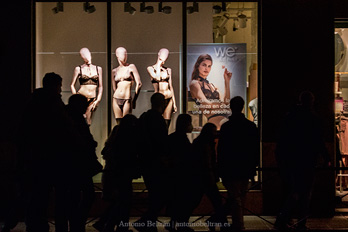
87 80
162 79
120 102
209 94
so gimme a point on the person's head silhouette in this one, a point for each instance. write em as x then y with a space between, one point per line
158 102
237 104
184 123
307 99
52 82
78 104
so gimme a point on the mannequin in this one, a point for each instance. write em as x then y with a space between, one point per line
90 78
123 78
161 78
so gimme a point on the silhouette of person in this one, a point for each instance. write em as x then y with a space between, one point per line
154 134
82 187
204 150
299 145
180 163
121 159
42 141
238 155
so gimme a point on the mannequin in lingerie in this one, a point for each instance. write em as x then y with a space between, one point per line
91 85
123 78
161 78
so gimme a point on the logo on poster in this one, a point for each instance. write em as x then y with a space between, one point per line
225 53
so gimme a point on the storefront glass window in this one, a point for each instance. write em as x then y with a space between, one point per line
225 36
227 31
59 37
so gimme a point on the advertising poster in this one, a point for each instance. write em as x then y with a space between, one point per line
215 74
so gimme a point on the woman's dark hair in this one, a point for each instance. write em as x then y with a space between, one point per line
208 132
183 122
200 59
126 127
77 103
51 80
112 136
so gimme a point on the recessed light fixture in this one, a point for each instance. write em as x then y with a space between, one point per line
87 7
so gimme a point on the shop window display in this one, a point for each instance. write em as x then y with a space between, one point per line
151 59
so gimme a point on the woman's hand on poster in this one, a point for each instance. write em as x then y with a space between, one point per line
227 74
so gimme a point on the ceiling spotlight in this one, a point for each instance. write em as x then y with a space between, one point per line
87 7
165 9
58 8
221 27
147 9
234 25
193 8
128 8
217 9
242 19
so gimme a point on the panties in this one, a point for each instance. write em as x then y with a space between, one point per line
91 100
120 102
166 102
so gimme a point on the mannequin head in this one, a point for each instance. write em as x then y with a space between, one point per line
121 54
86 55
163 55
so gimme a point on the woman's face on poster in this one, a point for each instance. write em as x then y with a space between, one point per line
204 68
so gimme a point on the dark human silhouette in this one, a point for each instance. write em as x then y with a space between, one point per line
85 166
180 165
238 155
121 167
298 148
204 150
42 141
154 138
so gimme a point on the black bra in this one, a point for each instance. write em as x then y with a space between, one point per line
87 80
210 95
128 77
166 79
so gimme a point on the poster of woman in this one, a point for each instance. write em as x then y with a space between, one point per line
215 74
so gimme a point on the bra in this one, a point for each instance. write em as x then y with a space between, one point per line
87 80
208 93
164 77
128 76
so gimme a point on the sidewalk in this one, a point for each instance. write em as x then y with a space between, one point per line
252 223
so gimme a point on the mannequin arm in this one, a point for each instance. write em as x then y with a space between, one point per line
100 85
113 82
152 74
73 81
100 89
172 89
138 83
